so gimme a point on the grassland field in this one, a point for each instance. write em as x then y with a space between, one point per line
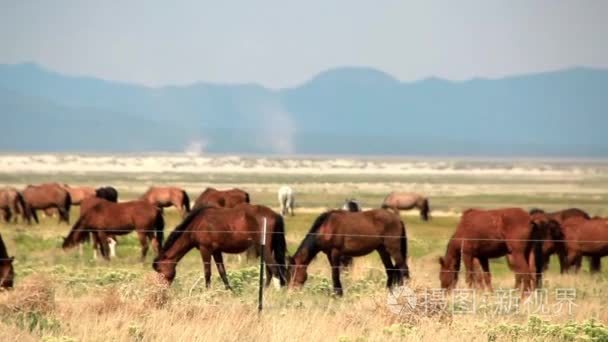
65 296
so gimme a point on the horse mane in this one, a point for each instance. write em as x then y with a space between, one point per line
181 228
536 211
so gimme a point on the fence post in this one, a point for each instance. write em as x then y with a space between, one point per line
261 288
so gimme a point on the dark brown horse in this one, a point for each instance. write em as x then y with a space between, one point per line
79 193
101 194
50 195
168 196
275 224
12 204
339 233
584 237
7 273
407 201
213 231
222 198
487 234
105 219
558 248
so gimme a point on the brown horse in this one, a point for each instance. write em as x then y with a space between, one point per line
7 273
101 194
79 193
12 204
558 247
585 238
50 195
275 224
407 201
339 233
487 234
221 198
213 231
105 219
168 196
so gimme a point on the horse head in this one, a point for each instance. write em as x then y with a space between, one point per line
296 272
7 273
165 268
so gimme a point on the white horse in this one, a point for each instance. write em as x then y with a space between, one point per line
286 200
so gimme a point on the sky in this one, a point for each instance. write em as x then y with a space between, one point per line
283 43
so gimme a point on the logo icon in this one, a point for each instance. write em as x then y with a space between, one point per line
401 299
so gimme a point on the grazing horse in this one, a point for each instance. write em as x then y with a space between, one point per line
407 201
45 196
286 200
105 219
351 204
486 234
275 224
7 273
213 231
339 233
79 193
12 204
558 248
585 238
221 198
101 194
167 196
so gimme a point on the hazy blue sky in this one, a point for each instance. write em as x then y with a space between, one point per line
283 43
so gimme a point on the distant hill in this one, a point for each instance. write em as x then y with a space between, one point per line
340 111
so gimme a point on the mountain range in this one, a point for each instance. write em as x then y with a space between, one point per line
350 110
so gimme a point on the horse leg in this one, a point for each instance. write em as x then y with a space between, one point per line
595 264
487 276
334 261
272 267
391 272
102 239
35 216
206 256
64 215
400 270
143 241
219 262
519 265
112 244
467 260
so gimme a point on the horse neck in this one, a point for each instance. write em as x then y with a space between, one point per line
453 254
179 248
307 250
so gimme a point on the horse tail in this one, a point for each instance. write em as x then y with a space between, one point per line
279 247
186 201
537 249
159 228
65 211
406 271
426 209
77 234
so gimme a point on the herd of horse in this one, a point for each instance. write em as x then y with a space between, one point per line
225 221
